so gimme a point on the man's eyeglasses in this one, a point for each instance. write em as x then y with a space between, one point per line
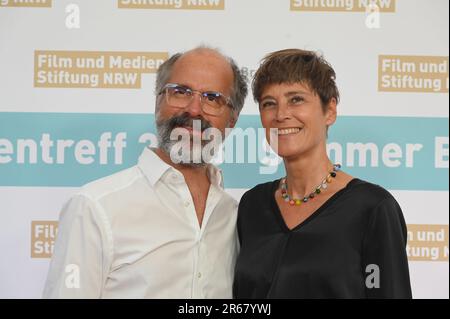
179 96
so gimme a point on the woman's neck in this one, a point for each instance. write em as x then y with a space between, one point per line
306 172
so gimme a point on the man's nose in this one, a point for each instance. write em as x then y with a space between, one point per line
194 108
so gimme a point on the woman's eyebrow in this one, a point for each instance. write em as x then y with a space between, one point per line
267 97
294 93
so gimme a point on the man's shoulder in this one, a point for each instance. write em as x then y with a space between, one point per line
228 197
111 183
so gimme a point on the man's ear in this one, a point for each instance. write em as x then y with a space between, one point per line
233 120
331 112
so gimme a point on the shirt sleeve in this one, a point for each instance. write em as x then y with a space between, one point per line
82 251
384 253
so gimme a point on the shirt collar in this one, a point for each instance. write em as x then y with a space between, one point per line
154 168
215 175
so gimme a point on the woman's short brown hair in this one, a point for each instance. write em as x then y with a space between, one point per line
297 66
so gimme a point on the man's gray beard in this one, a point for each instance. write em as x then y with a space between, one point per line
164 129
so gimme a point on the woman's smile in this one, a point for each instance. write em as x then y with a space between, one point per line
289 131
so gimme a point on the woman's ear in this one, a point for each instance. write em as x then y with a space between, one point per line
331 112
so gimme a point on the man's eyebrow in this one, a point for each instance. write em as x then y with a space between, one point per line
185 86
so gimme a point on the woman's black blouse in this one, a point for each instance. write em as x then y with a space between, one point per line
353 246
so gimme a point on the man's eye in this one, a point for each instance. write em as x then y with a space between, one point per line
211 97
180 91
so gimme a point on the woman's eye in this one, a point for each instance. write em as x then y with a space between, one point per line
267 104
297 100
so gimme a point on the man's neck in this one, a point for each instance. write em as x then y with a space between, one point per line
197 181
189 172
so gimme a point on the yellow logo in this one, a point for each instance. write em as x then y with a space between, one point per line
88 69
427 243
43 235
26 3
342 5
173 4
397 73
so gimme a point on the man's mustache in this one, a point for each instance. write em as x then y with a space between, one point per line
185 120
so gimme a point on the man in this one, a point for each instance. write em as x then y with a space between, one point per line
164 228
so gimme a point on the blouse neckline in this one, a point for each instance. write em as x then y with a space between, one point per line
276 209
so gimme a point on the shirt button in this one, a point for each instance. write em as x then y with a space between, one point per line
199 275
186 204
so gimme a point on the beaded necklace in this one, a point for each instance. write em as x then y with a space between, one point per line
322 186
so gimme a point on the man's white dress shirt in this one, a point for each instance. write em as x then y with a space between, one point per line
135 234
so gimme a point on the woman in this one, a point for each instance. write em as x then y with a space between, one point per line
318 232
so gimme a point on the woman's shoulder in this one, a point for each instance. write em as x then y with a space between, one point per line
260 191
371 192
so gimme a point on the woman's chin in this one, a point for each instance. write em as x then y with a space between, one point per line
287 152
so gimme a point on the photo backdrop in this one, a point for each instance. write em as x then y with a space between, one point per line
77 103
